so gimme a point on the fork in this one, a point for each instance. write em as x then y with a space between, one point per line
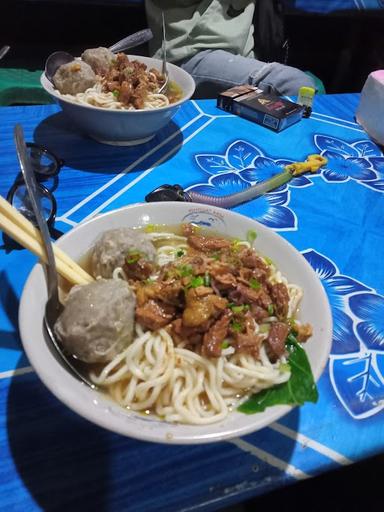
164 69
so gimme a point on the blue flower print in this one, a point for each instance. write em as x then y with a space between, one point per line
347 161
242 166
356 365
239 155
378 164
369 308
358 383
342 169
338 288
264 168
367 149
270 209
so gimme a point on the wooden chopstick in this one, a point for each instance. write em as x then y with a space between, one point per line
24 232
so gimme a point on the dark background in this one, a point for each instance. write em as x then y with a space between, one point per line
340 49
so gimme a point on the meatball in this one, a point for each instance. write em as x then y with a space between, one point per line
112 248
98 320
99 59
74 77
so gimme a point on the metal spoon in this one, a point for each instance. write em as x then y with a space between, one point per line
53 307
57 59
164 70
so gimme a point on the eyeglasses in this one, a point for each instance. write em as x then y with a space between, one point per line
46 166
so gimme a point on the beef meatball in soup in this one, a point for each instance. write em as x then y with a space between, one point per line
100 59
113 248
74 77
98 320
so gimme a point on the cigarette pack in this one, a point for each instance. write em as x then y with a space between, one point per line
266 109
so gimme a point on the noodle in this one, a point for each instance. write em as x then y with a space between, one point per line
180 385
96 97
153 375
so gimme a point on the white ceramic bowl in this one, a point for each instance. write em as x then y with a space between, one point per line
99 409
124 127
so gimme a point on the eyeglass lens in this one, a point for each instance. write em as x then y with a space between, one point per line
43 162
20 200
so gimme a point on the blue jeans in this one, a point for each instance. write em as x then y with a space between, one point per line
217 70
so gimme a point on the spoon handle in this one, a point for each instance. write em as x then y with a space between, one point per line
4 50
53 305
32 187
131 41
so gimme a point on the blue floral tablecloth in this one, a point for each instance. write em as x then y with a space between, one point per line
53 459
328 6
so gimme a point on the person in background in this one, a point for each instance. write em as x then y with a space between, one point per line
213 41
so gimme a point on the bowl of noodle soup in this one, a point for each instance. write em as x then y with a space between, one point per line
162 399
101 116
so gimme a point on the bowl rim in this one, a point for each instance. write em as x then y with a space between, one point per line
50 89
78 392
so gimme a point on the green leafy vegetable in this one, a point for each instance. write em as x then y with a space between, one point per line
180 253
300 388
225 344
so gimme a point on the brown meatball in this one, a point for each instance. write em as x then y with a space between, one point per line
74 77
99 59
113 246
98 320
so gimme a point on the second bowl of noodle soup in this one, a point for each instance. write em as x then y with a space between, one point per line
159 400
103 118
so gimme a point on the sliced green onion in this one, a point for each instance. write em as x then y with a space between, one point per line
236 326
180 253
254 284
251 236
225 344
132 257
207 279
263 328
196 281
185 270
270 309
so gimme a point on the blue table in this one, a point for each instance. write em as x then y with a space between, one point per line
54 460
329 6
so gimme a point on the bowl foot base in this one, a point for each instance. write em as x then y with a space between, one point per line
133 142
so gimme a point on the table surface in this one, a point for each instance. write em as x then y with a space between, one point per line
54 459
